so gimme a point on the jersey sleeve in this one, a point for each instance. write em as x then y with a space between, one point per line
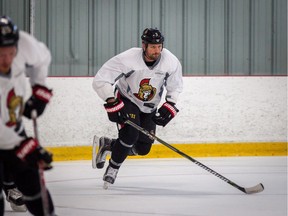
107 76
36 56
174 83
9 139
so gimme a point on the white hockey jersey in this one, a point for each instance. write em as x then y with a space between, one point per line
33 59
139 83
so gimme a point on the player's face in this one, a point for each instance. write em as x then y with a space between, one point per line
7 54
153 52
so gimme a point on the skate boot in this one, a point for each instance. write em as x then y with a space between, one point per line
15 198
104 149
109 176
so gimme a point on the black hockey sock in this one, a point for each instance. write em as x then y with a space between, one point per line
7 187
113 143
35 206
119 153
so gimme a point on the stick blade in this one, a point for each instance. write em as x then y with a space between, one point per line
256 189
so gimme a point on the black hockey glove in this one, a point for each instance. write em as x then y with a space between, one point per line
40 97
165 113
115 111
31 152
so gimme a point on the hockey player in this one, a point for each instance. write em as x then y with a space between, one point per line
20 55
140 74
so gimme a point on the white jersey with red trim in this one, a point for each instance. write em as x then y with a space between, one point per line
33 59
139 83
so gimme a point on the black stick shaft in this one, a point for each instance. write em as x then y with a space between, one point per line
44 193
154 137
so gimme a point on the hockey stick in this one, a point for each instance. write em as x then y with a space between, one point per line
44 193
255 189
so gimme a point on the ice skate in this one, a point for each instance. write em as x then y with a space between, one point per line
104 148
109 177
15 198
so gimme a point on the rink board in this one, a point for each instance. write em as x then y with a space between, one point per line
65 153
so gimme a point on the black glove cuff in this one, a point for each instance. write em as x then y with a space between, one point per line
173 104
114 106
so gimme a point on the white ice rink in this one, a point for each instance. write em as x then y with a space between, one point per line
170 187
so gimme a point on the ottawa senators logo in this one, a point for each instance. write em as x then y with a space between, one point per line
146 91
15 107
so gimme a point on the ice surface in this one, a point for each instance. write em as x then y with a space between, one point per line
170 187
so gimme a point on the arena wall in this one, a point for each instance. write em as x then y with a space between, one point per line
219 116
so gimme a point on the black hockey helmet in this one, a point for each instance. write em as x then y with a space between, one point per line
152 36
9 33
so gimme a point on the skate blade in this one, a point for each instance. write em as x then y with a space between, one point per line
18 208
94 154
106 185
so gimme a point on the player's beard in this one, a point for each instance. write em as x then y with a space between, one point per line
5 68
153 57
